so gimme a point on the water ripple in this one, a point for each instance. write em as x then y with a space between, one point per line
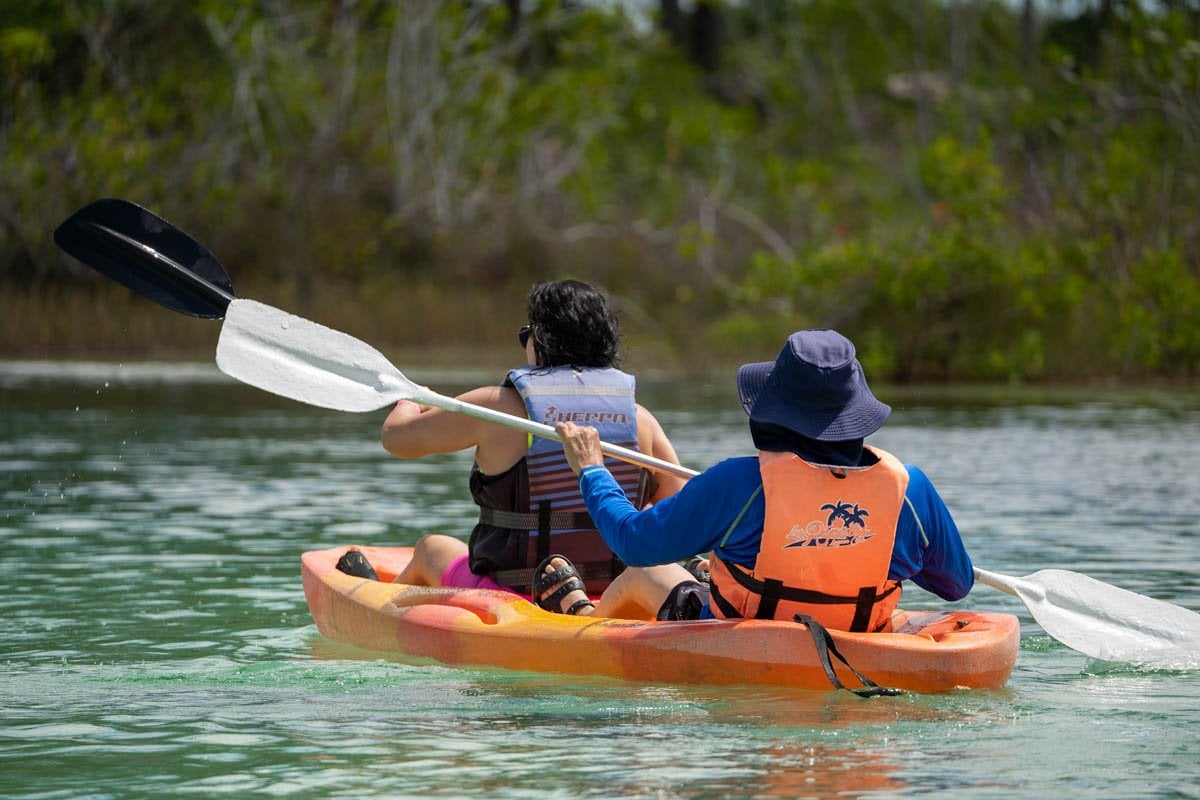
156 634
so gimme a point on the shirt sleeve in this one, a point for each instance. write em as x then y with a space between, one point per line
692 521
929 550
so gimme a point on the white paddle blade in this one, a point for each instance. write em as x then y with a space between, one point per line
1105 621
297 358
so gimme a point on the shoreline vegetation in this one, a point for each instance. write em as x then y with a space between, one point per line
975 192
113 377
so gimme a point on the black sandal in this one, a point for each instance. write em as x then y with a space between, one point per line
353 562
568 576
695 565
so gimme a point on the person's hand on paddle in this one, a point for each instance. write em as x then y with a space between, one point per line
581 445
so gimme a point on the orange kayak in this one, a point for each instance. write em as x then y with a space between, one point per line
929 651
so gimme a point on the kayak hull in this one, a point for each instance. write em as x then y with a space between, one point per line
928 652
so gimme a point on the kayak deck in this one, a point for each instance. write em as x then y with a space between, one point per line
927 651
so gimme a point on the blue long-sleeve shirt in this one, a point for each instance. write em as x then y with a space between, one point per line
722 510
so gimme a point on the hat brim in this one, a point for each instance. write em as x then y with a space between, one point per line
751 380
860 415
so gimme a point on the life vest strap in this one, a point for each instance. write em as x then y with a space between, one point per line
781 591
769 598
531 520
728 610
771 591
543 529
863 607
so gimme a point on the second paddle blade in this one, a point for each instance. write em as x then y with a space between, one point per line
294 357
1114 624
1105 621
149 255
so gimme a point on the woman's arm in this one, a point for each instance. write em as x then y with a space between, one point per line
412 432
653 441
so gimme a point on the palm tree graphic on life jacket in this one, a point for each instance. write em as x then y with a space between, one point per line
849 515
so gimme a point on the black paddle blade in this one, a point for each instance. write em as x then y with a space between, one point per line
144 252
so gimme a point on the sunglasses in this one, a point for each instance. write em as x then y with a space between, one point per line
524 333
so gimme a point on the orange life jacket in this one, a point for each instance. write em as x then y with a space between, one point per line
826 545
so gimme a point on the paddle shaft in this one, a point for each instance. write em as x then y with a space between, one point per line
997 581
430 398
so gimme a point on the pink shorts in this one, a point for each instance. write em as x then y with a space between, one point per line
458 574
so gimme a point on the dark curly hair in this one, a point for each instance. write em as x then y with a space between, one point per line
572 325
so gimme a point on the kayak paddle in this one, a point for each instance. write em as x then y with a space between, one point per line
261 345
1105 621
300 359
297 358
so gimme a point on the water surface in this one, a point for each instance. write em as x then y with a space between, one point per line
156 640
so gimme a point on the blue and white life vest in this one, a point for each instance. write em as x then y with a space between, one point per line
538 510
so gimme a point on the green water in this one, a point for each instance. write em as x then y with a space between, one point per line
156 641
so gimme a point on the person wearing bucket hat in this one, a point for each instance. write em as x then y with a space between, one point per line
815 388
818 524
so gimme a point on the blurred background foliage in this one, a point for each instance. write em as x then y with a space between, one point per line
973 191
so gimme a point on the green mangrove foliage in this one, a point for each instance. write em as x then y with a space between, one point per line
971 190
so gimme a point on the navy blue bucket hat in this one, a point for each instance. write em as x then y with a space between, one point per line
815 387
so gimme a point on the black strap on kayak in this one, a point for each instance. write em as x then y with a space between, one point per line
825 645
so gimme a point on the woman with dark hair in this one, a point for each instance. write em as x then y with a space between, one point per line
571 323
534 535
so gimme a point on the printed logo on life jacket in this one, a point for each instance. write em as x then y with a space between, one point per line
553 414
838 530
